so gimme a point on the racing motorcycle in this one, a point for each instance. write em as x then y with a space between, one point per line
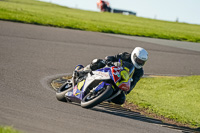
97 86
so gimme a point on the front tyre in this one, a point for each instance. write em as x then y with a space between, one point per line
91 99
60 93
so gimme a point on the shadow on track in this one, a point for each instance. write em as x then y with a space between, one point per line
123 112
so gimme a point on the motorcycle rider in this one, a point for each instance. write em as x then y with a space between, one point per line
138 57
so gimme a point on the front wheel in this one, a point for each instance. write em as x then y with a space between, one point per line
92 99
60 93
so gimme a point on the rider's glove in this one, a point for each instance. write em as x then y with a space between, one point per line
97 64
109 60
108 63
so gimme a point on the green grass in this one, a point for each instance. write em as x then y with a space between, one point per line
177 98
41 13
7 129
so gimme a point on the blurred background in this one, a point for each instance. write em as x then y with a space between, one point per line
186 11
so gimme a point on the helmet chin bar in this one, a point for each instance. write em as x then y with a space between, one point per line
136 65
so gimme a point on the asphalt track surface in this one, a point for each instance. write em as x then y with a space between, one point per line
32 56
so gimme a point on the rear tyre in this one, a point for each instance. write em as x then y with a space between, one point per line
60 93
91 99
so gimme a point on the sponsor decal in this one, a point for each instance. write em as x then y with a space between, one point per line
103 74
116 73
125 86
75 90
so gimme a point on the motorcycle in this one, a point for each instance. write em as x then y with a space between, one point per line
97 86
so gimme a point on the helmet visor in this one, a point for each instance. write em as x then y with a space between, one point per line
138 61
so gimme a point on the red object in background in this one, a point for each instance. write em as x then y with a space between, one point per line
102 5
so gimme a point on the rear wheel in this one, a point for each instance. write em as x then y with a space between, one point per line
92 99
60 93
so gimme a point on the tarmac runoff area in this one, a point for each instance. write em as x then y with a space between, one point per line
178 44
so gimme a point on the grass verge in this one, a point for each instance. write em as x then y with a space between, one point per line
7 129
41 13
176 98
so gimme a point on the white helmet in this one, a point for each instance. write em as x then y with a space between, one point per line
139 56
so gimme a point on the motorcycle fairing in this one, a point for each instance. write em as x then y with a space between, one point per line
77 93
80 84
97 75
124 83
116 71
100 86
120 76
